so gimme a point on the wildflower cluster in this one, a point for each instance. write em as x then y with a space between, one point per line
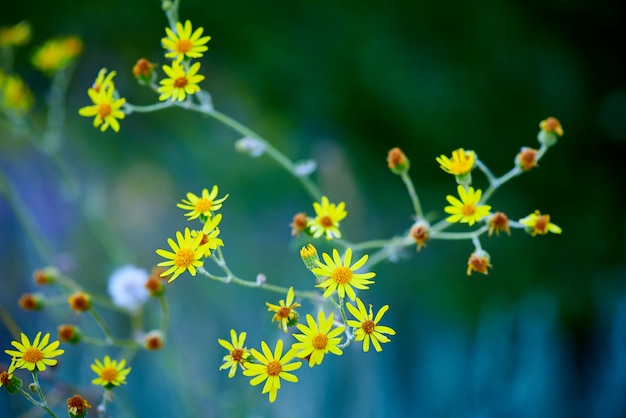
343 277
470 206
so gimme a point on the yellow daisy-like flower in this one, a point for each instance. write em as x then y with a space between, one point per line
180 82
15 35
57 53
203 205
272 367
467 209
187 255
536 223
341 276
183 43
461 162
285 313
105 108
326 221
35 356
366 325
317 340
209 233
237 353
110 373
15 95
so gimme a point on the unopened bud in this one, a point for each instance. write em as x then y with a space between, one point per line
398 162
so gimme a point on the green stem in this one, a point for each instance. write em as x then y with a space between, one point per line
231 278
25 218
164 314
279 157
103 326
130 108
460 235
43 402
413 194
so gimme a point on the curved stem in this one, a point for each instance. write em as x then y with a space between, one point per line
413 194
43 402
460 235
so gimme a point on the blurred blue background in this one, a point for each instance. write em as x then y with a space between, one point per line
543 334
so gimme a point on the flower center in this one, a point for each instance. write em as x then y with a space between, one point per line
32 355
4 378
108 374
183 46
319 341
274 368
283 312
104 110
180 82
540 224
326 222
468 209
184 257
203 205
368 326
237 354
342 275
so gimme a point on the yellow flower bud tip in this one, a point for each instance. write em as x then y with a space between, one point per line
479 262
526 159
551 124
309 256
397 161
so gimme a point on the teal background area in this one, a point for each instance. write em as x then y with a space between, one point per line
544 334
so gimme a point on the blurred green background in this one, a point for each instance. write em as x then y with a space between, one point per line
543 333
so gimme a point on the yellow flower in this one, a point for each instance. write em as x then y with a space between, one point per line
536 223
183 43
467 209
187 255
341 276
57 53
15 95
461 162
326 221
366 325
271 368
317 340
105 108
285 313
202 206
180 82
209 233
35 356
237 353
15 35
110 373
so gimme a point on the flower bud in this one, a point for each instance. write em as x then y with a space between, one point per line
526 159
77 407
419 232
69 333
79 302
143 71
46 276
551 130
32 301
309 256
479 261
398 162
10 382
299 224
153 340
